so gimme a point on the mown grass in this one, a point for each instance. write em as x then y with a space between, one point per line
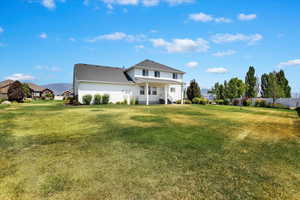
50 151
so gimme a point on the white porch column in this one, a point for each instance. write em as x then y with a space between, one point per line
147 93
166 94
182 93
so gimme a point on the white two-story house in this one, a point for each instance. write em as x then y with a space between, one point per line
148 82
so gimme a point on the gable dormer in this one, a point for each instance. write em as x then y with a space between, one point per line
153 70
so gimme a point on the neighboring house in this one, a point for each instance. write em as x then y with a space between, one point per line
67 94
4 85
147 82
36 90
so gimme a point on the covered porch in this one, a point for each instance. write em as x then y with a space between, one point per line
153 91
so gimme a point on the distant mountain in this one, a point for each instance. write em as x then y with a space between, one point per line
59 88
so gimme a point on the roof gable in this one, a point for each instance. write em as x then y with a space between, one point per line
86 72
152 65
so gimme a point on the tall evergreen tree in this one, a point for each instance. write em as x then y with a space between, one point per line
283 83
193 90
251 83
264 86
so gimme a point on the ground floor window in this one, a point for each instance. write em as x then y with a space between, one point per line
172 89
149 90
142 90
154 91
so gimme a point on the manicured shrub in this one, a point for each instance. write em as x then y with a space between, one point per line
133 101
246 102
97 99
187 101
226 102
260 103
298 111
87 99
105 99
236 102
28 100
15 92
196 100
220 102
1 100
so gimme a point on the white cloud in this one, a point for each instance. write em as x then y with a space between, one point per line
227 38
121 2
224 53
177 2
139 46
182 45
47 68
146 3
290 63
118 36
217 70
20 77
150 2
1 29
72 39
50 4
192 64
222 20
202 17
43 36
245 17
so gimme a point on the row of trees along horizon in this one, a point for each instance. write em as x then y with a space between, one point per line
270 85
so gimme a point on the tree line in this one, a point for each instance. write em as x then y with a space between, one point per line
270 85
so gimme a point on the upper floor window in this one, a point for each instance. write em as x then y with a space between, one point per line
175 76
142 90
157 74
145 72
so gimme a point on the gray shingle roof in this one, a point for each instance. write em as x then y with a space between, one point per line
101 73
149 64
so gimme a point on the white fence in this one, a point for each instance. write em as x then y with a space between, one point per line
289 102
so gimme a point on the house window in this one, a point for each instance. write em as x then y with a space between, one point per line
145 72
142 90
154 91
175 76
172 89
149 90
157 74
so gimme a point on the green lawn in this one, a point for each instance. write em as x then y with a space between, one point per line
50 151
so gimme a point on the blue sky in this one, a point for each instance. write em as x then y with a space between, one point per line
211 40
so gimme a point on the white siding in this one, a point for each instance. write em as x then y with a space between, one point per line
163 75
117 92
177 94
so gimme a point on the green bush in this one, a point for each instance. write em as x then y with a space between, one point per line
246 102
133 101
87 99
97 99
1 100
298 111
199 100
226 102
260 103
105 99
187 101
220 102
27 100
196 100
236 102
